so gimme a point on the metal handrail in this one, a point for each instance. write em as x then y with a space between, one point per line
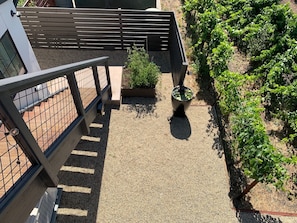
45 165
16 84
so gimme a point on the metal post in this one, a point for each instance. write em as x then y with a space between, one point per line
77 101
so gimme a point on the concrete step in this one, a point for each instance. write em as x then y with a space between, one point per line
116 84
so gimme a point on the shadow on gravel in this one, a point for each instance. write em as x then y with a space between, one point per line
255 217
180 127
141 106
205 92
81 180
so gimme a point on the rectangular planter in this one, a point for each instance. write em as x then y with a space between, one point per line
139 92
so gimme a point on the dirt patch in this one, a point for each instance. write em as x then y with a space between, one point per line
291 3
240 63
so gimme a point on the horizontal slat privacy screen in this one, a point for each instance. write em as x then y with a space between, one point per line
96 28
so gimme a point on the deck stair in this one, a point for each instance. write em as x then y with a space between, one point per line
116 84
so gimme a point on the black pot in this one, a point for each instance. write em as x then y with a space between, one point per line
181 98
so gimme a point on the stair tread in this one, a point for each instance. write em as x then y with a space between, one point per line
116 83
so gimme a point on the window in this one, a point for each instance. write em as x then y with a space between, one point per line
10 61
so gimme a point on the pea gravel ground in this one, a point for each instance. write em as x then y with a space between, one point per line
136 166
161 171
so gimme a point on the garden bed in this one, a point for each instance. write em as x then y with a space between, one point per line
127 91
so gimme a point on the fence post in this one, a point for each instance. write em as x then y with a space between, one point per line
77 101
98 89
178 59
108 78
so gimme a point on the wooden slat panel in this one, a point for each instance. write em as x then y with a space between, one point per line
87 26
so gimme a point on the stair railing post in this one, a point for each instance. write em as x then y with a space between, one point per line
77 101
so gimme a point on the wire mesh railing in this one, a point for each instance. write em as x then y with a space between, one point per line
51 115
86 85
13 162
43 115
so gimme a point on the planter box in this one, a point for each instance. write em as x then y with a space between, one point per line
127 91
139 92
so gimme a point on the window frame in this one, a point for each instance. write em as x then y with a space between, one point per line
11 58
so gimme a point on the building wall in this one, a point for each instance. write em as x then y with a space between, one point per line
17 32
13 25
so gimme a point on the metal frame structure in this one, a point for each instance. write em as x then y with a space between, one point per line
45 163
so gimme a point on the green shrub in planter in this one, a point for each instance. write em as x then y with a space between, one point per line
143 73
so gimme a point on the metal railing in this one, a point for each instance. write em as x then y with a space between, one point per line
178 59
35 143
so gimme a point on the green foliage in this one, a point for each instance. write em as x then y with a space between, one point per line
218 61
228 86
269 36
21 3
199 6
201 31
204 18
260 160
258 37
280 16
143 72
30 3
217 35
221 51
291 120
267 32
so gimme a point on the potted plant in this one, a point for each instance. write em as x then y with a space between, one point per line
140 75
181 98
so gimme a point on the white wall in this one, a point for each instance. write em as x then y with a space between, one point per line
14 26
16 30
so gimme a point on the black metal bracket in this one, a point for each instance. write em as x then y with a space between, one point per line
100 108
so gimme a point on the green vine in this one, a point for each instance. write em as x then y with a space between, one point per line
267 32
